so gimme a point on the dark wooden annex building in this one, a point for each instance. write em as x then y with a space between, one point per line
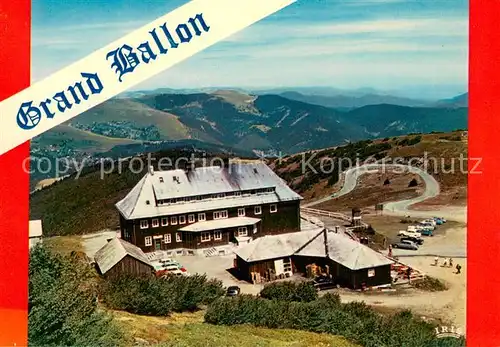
119 257
350 263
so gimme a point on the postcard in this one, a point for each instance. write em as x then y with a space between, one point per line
247 173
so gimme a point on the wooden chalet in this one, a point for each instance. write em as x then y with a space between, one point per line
206 209
119 257
348 262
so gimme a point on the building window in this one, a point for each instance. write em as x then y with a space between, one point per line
178 237
167 238
173 220
205 236
287 265
214 196
164 222
258 210
161 179
273 208
148 241
237 193
371 273
241 212
242 231
155 223
217 235
144 224
182 219
220 214
191 218
202 217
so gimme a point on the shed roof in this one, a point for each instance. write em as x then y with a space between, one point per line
140 202
35 228
341 249
220 224
114 251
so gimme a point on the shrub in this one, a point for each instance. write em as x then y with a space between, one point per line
430 284
290 291
356 321
160 296
63 303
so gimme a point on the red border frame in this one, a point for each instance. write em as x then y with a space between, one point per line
483 299
483 318
15 29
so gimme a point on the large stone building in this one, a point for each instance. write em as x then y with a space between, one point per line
205 209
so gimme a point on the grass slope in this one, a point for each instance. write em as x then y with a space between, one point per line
188 330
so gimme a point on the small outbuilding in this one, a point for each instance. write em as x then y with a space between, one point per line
119 257
35 232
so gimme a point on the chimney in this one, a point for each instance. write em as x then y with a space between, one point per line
151 171
325 237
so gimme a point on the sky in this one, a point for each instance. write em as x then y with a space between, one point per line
417 48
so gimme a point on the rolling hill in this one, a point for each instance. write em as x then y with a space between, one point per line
232 120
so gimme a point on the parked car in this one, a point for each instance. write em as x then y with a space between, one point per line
439 220
419 241
427 225
405 233
430 221
233 291
324 283
405 244
426 232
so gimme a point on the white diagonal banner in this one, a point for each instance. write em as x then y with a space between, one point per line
124 63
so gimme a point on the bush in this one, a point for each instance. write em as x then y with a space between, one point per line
290 291
356 321
430 284
63 303
160 296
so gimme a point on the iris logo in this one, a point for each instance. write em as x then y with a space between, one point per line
28 117
448 331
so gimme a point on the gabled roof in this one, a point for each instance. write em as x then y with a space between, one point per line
114 251
341 249
345 251
275 246
140 202
220 224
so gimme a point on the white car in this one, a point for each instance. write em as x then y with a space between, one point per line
413 234
431 221
428 225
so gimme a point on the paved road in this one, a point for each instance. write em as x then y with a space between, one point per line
350 178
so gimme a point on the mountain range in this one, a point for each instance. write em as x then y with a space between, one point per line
232 120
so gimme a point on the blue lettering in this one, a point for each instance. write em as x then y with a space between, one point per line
184 33
147 52
62 102
28 116
201 22
72 90
124 60
91 79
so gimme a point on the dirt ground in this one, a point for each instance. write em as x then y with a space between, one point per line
448 306
371 190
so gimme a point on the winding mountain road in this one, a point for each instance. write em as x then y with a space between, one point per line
350 178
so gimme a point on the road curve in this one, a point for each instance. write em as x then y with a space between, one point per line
350 178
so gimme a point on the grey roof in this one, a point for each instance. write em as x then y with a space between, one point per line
114 251
220 224
160 185
275 246
345 251
341 249
35 228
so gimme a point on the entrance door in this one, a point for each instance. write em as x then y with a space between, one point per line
158 244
